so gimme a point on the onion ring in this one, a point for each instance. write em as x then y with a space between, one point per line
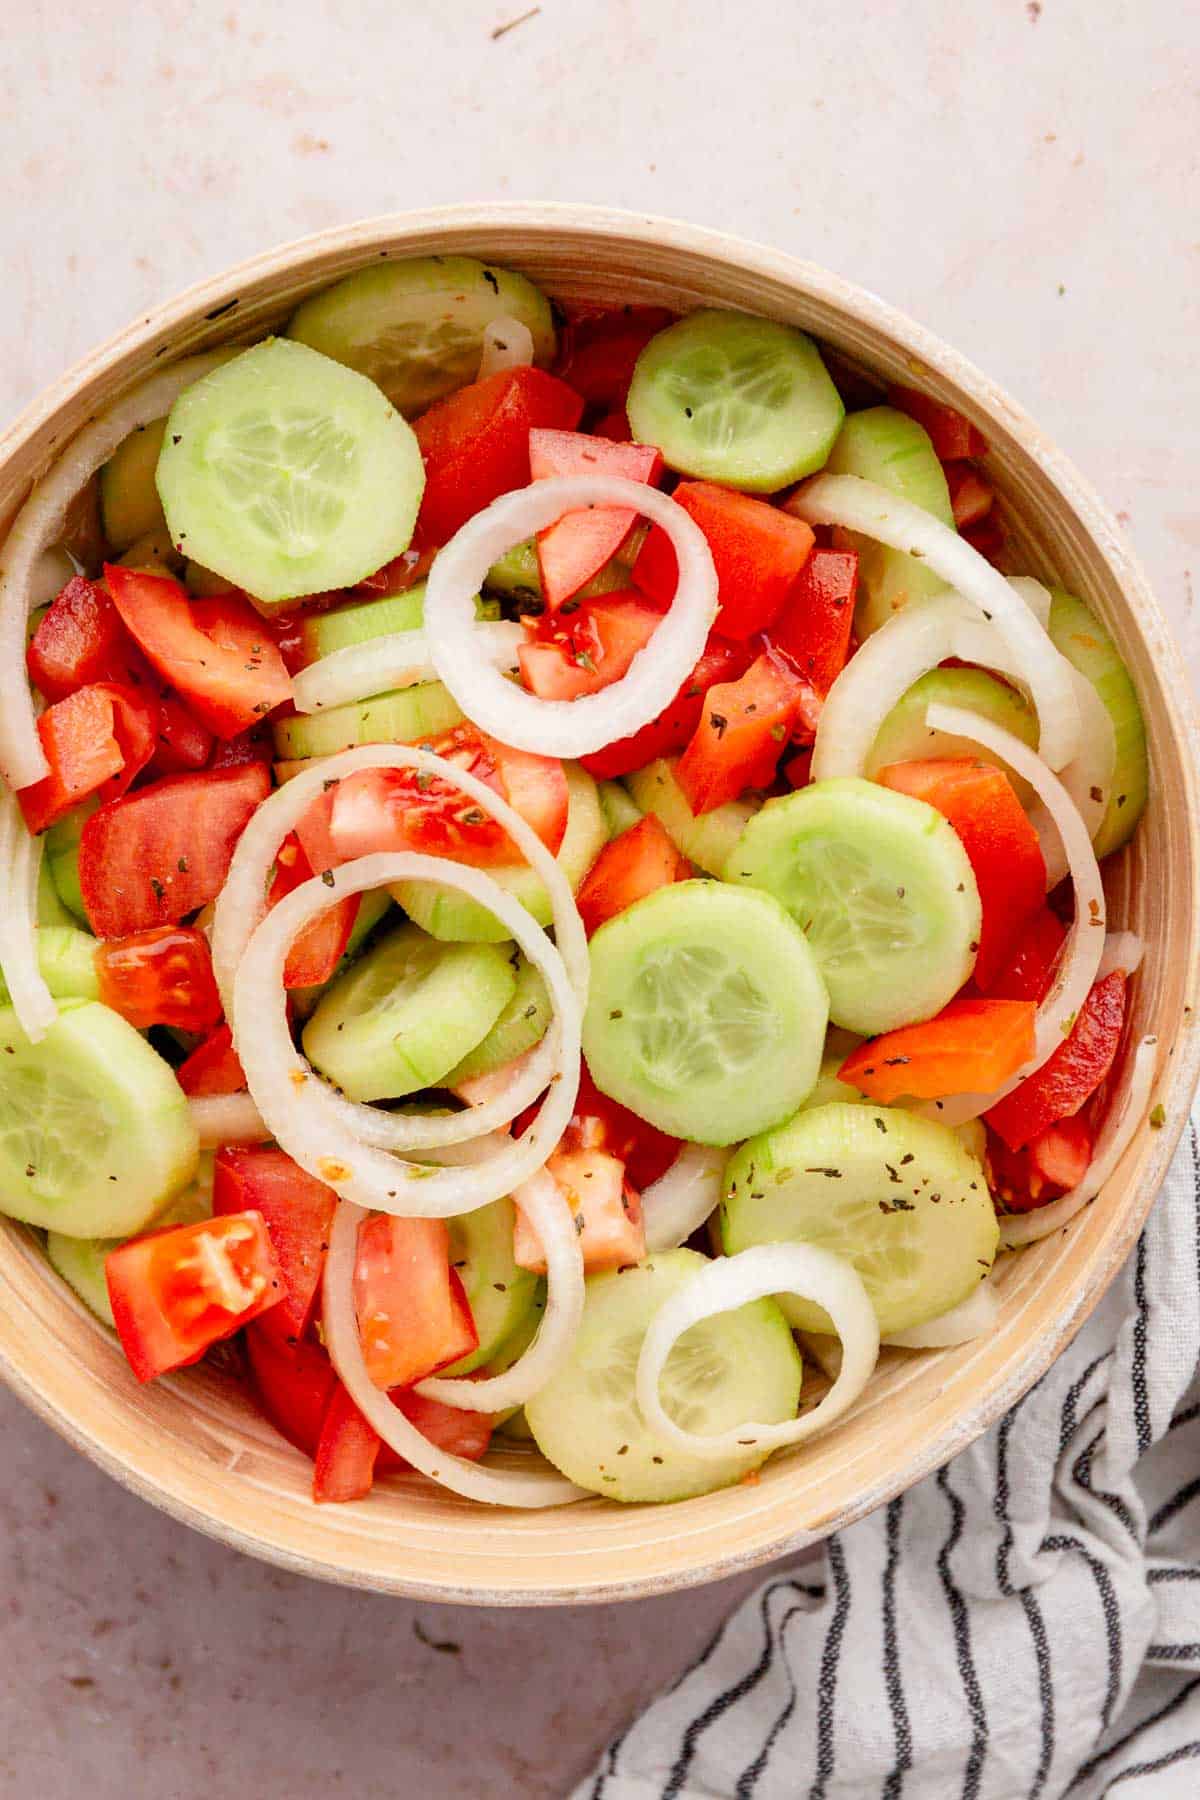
1123 950
398 660
227 1119
507 344
20 863
683 1197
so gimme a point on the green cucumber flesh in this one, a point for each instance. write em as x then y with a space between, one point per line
288 474
708 840
905 737
95 1132
898 1196
513 1422
521 1025
402 716
516 575
706 1013
830 1087
1085 643
61 856
727 1370
892 450
621 810
415 328
50 908
500 1294
80 1261
321 634
405 1013
735 399
67 964
373 906
881 887
129 503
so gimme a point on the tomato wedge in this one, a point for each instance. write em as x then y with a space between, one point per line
598 349
1030 969
183 742
213 651
951 435
758 552
346 1451
298 1211
599 1123
1051 1163
81 640
177 1292
580 652
626 870
579 544
95 741
163 976
970 496
293 1384
674 727
741 735
606 1209
814 627
319 948
213 1066
413 1315
971 1046
1072 1074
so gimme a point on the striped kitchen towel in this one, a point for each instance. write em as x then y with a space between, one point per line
1024 1624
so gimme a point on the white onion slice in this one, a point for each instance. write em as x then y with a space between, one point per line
566 727
317 1127
397 661
1115 1138
862 506
227 1119
40 523
49 576
1123 950
1085 942
1034 594
546 1207
971 1318
507 344
730 1282
20 860
683 1197
499 1487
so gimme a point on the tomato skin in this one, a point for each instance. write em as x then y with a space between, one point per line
606 1209
1068 1078
183 742
600 347
81 640
475 444
741 735
163 976
599 1123
213 651
158 854
461 1433
626 870
987 536
176 1293
971 1046
213 1066
1030 969
1050 1164
580 652
813 628
321 944
346 1452
292 1384
951 435
253 746
79 742
614 426
758 552
970 495
674 727
412 1312
578 545
298 1210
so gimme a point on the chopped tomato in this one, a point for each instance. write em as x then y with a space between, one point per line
214 651
253 746
81 640
606 1210
970 496
399 809
742 731
797 771
1051 1163
396 577
346 1451
614 426
451 1428
95 741
987 537
213 1066
1030 968
758 552
319 948
475 444
163 976
177 1292
161 853
971 1046
299 1213
413 1315
599 348
626 870
951 435
183 742
292 1384
813 629
600 1123
1001 844
580 652
1071 1075
673 728
579 544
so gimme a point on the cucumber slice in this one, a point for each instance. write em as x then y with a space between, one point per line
61 856
402 716
730 398
50 909
287 473
67 963
416 328
905 737
202 582
406 1013
733 1367
455 919
887 447
620 809
323 633
706 1013
129 504
521 1025
513 1423
884 894
154 552
1085 643
971 1134
516 575
95 1132
80 1261
500 1293
708 840
896 1195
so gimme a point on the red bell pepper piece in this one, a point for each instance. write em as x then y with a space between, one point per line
971 1046
813 630
578 545
580 652
674 727
598 350
1030 969
1050 1164
81 640
626 870
742 731
321 944
299 1213
95 741
163 976
1072 1074
213 1066
951 435
757 549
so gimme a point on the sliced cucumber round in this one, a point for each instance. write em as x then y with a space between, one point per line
61 855
80 1261
971 1134
513 1423
905 737
621 810
457 919
67 964
406 1013
897 1195
500 1293
521 1025
95 1132
883 893
1083 640
50 909
730 398
359 621
728 1369
129 504
416 328
288 474
402 716
706 1013
889 448
516 574
709 839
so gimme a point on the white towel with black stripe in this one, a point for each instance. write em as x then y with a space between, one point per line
1023 1625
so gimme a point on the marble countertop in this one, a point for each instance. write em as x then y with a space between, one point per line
1020 176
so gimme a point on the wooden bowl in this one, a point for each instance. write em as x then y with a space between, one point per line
194 1446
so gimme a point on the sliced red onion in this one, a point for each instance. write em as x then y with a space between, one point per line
1123 950
475 1481
566 727
546 1207
38 526
1115 1138
1085 942
397 661
732 1281
227 1119
20 861
682 1198
862 506
507 344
